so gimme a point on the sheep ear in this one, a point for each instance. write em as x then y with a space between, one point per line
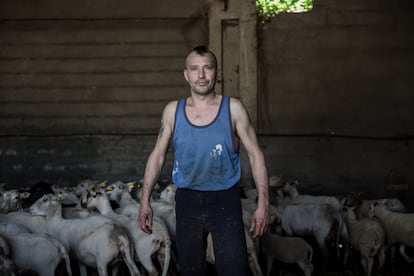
59 197
24 195
384 201
131 184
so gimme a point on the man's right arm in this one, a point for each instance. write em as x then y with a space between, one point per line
154 165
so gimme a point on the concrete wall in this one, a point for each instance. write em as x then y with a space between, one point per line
336 96
334 105
83 84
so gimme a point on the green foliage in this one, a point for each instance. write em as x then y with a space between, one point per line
266 9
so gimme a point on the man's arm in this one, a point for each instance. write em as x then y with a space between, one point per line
247 135
154 165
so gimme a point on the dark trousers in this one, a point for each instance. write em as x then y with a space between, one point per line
219 213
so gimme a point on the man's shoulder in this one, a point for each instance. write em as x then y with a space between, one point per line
235 104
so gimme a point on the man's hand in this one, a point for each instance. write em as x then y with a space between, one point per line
260 221
145 218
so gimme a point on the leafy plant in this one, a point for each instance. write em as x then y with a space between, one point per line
266 9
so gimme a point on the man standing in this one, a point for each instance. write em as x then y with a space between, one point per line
206 130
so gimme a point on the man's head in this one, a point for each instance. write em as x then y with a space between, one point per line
201 70
202 51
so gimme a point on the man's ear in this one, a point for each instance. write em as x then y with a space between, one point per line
186 74
218 73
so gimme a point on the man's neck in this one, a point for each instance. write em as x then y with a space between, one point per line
204 100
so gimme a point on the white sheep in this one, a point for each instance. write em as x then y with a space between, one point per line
7 267
145 245
315 219
95 241
252 256
168 194
10 201
367 237
164 209
44 256
295 197
398 227
290 250
393 204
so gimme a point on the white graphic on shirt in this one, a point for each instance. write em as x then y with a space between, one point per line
176 169
216 152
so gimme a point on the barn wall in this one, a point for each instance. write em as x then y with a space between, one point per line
83 84
336 96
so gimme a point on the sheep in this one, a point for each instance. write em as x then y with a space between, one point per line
316 220
295 197
163 209
355 199
7 267
367 237
12 228
35 192
398 227
119 192
94 241
291 250
145 245
251 253
10 201
86 184
44 256
55 251
393 204
168 194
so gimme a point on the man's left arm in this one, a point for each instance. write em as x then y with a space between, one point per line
247 135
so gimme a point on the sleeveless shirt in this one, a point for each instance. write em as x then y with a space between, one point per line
205 157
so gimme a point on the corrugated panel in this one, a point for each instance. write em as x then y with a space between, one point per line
91 76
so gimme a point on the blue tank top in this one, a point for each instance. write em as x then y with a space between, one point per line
205 157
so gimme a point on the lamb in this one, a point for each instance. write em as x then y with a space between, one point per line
95 241
291 250
398 227
145 245
367 237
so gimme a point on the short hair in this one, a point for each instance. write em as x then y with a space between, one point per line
202 51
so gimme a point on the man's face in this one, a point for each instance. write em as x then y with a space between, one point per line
200 73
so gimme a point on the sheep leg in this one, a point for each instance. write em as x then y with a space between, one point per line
306 267
364 263
146 262
253 262
269 262
82 270
370 263
402 252
381 257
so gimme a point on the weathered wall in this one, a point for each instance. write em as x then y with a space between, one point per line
336 95
82 85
